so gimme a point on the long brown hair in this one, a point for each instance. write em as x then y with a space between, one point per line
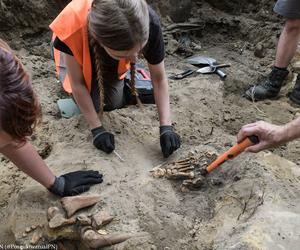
19 107
118 25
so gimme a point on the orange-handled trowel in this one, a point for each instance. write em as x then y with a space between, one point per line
231 153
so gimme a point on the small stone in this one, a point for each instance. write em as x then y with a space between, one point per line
28 229
216 182
192 233
259 50
236 178
268 102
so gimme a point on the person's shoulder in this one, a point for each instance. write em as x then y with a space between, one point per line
80 9
72 19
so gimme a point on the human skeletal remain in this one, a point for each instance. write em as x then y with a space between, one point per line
97 220
84 220
93 239
196 183
59 220
51 212
190 169
100 219
73 203
181 169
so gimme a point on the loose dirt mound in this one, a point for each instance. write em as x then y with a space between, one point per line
251 202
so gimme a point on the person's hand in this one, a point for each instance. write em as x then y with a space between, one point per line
169 140
75 182
103 140
269 135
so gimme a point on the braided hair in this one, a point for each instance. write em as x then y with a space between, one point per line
99 69
132 85
119 25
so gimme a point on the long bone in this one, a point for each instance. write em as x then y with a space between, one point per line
73 203
93 239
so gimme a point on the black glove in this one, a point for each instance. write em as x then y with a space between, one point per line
103 140
169 140
75 182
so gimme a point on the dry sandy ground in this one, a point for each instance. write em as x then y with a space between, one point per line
251 202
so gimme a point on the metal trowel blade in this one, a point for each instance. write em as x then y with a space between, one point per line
205 70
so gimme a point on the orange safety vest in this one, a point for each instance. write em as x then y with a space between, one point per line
70 26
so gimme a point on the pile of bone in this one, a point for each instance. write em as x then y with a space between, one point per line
88 226
189 169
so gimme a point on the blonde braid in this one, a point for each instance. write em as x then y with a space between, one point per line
132 85
98 63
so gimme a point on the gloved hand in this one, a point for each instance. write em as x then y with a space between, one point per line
75 182
103 140
169 140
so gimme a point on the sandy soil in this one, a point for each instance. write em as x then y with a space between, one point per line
251 202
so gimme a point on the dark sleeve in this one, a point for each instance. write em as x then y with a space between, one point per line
154 51
61 46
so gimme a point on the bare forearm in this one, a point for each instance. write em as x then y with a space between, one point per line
291 130
28 160
81 93
86 105
161 94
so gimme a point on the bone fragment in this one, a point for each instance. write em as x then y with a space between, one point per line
73 203
100 219
183 161
52 211
181 175
180 166
182 169
95 240
59 220
35 238
188 185
158 172
84 220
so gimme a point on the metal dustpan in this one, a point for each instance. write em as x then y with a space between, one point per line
207 65
201 61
